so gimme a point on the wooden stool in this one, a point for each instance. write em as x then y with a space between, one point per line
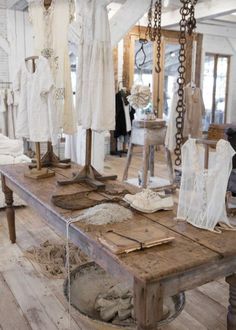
149 133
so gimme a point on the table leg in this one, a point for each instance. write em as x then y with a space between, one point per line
148 304
231 317
128 161
9 210
145 165
151 159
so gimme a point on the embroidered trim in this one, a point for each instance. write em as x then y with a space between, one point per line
47 52
60 93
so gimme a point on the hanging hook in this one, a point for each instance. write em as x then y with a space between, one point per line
141 50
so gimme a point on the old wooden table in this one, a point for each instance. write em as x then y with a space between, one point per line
194 258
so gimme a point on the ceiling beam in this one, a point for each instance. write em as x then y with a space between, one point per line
126 17
216 30
204 10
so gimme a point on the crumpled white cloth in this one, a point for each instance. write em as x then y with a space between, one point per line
140 97
10 147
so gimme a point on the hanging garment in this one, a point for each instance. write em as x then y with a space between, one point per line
202 192
37 115
95 72
51 40
120 129
194 112
3 111
11 115
170 140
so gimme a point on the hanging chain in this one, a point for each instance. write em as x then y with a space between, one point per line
191 22
184 12
158 66
153 31
149 31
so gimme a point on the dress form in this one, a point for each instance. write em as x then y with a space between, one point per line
38 172
50 158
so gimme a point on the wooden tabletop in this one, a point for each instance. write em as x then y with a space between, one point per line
191 249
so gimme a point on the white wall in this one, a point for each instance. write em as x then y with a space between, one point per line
4 47
20 39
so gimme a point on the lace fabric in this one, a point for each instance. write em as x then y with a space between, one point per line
202 192
50 29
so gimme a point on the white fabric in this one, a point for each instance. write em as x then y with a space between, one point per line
95 73
14 150
11 118
170 141
37 116
127 117
202 192
51 40
10 147
75 148
140 97
3 111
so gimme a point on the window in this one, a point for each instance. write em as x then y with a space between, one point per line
215 88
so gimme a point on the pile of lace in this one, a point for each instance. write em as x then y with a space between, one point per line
140 97
149 201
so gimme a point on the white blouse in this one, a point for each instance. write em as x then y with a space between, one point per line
37 114
202 191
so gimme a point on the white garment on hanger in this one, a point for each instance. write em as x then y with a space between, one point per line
202 192
194 111
51 40
11 116
170 140
127 117
37 115
95 72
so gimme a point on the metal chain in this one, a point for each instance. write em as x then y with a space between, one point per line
184 12
187 24
191 22
159 7
148 32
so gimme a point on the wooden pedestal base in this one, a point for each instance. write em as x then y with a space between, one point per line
89 174
36 174
52 160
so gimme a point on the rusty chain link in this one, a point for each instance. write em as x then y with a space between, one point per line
180 109
153 30
187 25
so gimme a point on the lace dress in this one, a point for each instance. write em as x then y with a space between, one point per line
95 74
50 28
202 192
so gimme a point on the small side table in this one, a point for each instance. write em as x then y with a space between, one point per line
149 133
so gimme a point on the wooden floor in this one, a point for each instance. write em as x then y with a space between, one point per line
29 300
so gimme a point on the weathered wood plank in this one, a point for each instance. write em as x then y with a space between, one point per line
223 243
10 313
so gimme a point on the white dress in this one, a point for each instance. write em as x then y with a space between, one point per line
36 115
3 111
170 140
95 73
202 192
51 40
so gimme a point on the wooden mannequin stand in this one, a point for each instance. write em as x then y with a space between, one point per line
39 172
89 174
50 159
